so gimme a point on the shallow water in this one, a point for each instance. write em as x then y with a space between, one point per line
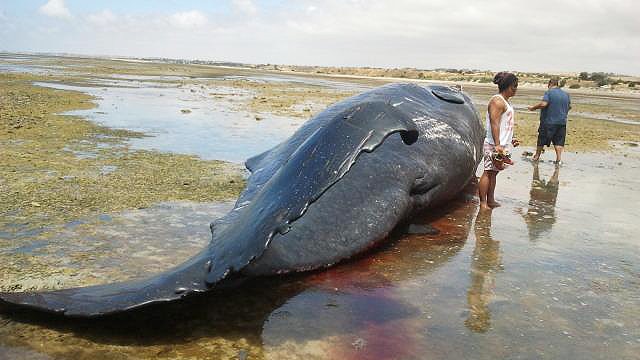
185 119
553 273
32 64
281 78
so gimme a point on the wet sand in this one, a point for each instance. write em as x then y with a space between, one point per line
552 273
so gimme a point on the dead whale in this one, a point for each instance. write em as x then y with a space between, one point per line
334 189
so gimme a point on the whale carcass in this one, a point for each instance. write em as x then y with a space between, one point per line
336 188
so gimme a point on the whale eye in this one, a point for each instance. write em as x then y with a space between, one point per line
448 95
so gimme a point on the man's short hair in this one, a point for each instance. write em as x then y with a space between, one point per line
554 81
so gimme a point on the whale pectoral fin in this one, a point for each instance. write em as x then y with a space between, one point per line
100 300
323 159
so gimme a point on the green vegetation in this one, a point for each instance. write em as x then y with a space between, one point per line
57 168
603 79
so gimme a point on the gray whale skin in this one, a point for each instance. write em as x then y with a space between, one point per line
334 189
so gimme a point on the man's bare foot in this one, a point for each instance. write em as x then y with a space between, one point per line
493 204
484 206
535 158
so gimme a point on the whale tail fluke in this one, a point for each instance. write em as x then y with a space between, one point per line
100 300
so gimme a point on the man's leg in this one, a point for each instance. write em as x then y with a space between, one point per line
542 140
558 142
558 153
536 156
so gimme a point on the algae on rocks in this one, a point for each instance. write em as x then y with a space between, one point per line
57 168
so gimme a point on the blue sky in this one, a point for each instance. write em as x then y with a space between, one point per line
27 7
545 35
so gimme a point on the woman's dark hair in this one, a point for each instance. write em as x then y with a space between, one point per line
505 79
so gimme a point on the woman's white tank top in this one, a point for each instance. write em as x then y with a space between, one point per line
507 121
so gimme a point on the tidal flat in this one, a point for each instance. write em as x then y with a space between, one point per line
111 170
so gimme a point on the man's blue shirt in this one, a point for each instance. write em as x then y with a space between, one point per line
558 103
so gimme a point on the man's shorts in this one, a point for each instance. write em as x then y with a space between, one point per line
552 133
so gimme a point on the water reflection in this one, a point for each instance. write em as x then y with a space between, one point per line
485 263
377 307
359 309
540 215
223 324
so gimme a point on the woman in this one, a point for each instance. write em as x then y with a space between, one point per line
500 123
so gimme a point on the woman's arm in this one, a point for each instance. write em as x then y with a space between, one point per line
496 109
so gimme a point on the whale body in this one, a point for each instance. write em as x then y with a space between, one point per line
336 188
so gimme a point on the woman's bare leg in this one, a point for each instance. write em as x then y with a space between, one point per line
491 201
483 189
486 189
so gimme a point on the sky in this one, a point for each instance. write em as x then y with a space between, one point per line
534 36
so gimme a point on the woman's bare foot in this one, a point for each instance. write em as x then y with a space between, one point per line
493 204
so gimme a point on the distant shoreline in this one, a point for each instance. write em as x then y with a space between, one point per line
476 78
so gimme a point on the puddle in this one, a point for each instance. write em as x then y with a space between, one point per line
211 129
29 64
344 86
148 77
112 246
31 69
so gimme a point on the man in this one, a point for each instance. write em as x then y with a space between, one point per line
555 106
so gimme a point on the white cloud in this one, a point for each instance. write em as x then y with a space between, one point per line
246 6
55 8
513 34
585 35
188 19
102 18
